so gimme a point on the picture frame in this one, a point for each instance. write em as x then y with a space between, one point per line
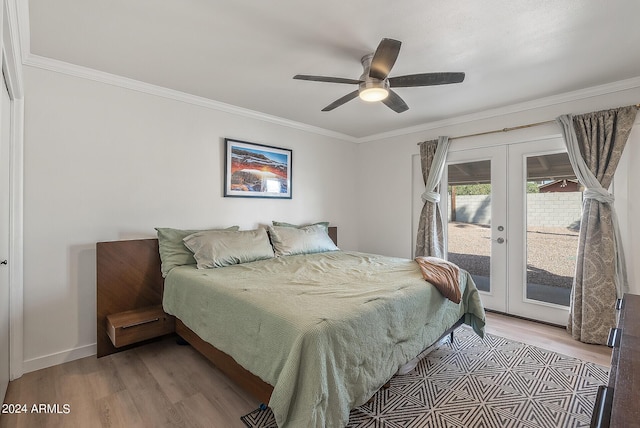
256 170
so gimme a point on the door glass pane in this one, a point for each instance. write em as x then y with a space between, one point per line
554 204
469 230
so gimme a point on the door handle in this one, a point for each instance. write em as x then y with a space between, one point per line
4 262
500 240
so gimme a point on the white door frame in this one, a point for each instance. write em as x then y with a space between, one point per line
11 64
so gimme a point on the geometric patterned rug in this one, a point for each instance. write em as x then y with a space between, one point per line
483 383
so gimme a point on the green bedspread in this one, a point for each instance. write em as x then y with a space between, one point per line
326 330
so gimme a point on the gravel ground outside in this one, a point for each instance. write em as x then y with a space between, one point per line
551 252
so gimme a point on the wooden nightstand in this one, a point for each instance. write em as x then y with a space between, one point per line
125 328
128 277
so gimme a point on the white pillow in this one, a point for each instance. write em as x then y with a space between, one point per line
219 248
288 241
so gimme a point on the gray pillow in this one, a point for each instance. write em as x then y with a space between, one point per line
172 249
288 241
325 224
214 249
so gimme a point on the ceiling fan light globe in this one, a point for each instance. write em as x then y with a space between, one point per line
373 94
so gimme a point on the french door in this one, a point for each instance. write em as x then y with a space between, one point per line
513 217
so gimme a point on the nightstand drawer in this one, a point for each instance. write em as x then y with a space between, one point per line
125 328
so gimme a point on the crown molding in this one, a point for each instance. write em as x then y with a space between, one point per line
581 94
136 85
147 88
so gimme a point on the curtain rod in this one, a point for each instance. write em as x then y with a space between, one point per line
513 128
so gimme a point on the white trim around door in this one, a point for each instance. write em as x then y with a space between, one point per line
11 61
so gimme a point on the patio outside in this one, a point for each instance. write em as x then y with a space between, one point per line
551 258
553 213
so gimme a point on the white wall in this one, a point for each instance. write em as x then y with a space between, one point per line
386 203
106 163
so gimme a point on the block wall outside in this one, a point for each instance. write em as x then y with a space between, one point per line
472 209
562 209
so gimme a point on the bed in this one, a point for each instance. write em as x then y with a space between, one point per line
314 334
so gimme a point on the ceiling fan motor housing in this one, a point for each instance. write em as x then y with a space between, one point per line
368 82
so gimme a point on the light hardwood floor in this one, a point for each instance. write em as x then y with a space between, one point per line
165 385
547 337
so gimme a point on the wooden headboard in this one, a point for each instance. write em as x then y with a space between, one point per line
129 277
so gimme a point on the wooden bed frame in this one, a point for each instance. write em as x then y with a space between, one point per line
129 277
241 376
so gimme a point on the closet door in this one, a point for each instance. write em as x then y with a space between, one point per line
5 136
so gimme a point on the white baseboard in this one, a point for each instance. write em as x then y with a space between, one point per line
58 358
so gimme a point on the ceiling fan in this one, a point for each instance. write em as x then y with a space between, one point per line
375 84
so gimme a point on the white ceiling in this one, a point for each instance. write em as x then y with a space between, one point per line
245 52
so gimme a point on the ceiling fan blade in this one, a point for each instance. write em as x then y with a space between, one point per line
326 79
425 79
384 58
339 102
395 103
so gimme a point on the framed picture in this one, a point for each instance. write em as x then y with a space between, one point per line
256 171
